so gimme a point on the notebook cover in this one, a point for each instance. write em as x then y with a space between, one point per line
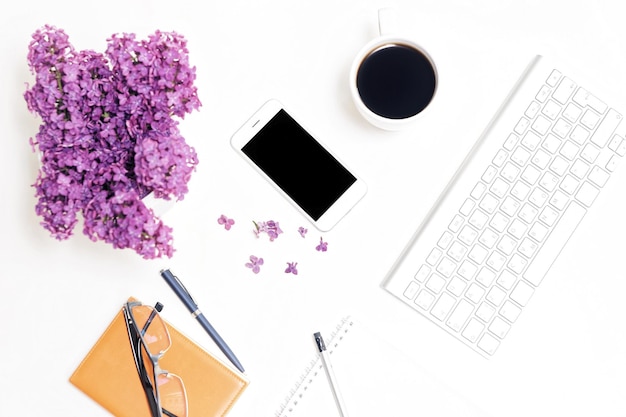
108 375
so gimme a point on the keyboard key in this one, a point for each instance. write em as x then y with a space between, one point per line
485 312
489 174
561 128
522 125
598 176
499 187
559 200
424 300
564 90
488 344
495 296
510 311
499 222
569 150
615 143
489 203
468 235
572 112
551 143
467 270
446 267
457 251
527 213
456 286
587 194
521 293
443 306
538 232
411 290
496 261
507 279
520 156
584 98
541 125
548 216
579 135
488 238
607 127
459 316
510 172
551 110
478 219
478 191
444 240
507 245
611 164
517 263
531 174
473 330
527 248
500 158
517 229
538 197
554 78
532 110
499 327
579 169
478 254
569 184
485 277
554 243
422 273
590 119
520 190
541 159
475 293
467 207
456 223
510 206
531 140
549 181
435 283
590 153
434 256
543 94
559 166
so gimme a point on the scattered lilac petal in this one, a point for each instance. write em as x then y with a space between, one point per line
270 227
291 268
228 223
255 264
322 247
302 231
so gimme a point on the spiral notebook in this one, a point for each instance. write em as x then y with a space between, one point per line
374 378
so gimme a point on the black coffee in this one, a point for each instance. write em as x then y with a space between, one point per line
396 81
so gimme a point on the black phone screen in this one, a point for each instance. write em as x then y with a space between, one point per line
299 164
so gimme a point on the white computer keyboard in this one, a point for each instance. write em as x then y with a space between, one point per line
490 239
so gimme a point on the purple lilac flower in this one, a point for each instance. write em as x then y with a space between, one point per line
291 267
302 231
108 137
322 247
270 227
226 222
255 264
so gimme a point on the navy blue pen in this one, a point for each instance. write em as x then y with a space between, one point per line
191 305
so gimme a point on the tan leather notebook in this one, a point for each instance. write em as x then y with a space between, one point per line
109 376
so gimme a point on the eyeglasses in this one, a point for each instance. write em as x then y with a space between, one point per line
150 339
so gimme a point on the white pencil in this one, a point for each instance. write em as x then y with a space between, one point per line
331 375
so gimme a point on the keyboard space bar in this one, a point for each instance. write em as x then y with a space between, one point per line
555 242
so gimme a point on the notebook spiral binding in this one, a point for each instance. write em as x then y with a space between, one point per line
314 368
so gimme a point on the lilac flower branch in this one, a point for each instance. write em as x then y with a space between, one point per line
107 137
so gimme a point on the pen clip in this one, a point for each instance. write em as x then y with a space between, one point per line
319 341
182 286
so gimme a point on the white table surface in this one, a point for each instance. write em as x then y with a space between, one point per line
565 356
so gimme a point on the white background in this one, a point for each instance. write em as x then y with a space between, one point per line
565 356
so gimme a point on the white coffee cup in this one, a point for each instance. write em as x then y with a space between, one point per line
392 79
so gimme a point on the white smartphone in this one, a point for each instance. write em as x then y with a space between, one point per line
303 170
